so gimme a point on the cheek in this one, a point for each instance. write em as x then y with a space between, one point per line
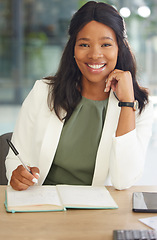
78 62
79 58
113 59
113 55
78 55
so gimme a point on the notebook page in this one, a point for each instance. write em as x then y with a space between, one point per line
34 195
85 195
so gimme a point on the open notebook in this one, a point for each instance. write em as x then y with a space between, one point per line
58 198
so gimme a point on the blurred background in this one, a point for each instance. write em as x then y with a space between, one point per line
33 34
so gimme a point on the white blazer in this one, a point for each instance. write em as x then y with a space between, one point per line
37 133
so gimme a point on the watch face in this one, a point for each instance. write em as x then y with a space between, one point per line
135 105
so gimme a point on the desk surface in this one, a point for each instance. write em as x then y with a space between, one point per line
73 224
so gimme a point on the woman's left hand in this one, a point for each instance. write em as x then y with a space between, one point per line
121 83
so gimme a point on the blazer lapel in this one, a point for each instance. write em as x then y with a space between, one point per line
103 154
49 145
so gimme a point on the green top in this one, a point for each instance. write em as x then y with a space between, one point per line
75 157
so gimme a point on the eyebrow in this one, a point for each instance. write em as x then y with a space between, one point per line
87 39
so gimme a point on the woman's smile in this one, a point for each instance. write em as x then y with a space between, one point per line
96 68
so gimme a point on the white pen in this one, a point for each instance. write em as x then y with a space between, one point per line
17 154
35 180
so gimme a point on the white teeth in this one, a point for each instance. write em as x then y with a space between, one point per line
96 66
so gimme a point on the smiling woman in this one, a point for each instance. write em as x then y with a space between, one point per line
83 122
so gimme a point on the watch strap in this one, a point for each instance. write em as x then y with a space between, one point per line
126 104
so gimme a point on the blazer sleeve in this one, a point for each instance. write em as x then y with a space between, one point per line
128 151
24 132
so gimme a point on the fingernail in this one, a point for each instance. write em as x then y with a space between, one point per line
107 84
35 180
105 90
38 175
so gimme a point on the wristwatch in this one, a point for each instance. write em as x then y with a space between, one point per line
134 104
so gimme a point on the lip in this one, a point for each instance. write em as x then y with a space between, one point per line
96 70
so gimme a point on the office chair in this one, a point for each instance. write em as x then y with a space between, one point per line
3 153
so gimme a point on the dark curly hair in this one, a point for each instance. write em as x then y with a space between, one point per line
63 87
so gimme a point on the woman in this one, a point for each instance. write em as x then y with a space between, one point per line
80 126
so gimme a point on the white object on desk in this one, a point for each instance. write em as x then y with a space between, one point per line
150 221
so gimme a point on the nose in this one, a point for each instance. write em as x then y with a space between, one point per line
95 53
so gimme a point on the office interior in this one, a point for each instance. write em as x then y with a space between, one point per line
33 34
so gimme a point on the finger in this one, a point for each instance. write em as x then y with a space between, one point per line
113 79
111 83
108 85
22 175
109 80
17 185
35 172
116 74
27 177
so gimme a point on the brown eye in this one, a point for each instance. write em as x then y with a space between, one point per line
84 45
106 45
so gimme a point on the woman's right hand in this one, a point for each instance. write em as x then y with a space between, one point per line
21 179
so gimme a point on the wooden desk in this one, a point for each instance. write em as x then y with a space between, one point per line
73 224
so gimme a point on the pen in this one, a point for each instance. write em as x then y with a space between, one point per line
17 154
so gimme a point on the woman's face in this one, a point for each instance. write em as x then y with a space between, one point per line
96 52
